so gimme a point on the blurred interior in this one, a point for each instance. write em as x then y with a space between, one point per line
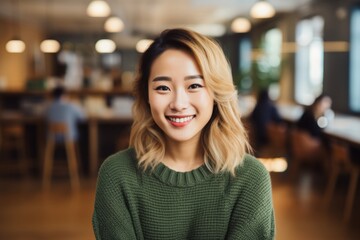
306 48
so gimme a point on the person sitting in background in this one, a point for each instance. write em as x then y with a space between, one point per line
60 110
308 144
310 121
264 116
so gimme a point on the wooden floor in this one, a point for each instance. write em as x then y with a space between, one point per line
28 213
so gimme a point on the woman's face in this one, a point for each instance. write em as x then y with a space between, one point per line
181 104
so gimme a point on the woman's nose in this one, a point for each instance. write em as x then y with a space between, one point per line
180 100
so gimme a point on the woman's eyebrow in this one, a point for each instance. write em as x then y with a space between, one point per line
194 77
165 78
161 78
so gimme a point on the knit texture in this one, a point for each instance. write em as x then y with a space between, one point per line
165 204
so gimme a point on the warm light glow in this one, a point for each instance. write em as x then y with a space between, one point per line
98 8
114 24
50 46
336 46
15 46
143 44
105 46
241 25
262 9
274 164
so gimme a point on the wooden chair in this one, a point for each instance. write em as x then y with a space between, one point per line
277 136
13 139
60 129
304 149
341 163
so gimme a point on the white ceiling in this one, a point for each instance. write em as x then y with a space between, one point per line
141 17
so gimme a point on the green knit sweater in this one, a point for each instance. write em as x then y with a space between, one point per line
165 204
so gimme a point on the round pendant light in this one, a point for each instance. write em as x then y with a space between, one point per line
241 25
105 46
262 9
15 46
50 46
98 8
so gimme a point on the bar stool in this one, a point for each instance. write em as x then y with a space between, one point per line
60 129
13 139
341 163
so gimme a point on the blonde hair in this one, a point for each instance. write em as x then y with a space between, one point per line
224 138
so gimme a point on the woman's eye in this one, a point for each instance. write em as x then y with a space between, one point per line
162 88
195 86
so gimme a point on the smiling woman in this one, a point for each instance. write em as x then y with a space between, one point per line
187 173
180 102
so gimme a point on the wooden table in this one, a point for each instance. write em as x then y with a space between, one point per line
345 128
11 117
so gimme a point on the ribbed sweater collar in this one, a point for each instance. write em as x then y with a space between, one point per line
181 179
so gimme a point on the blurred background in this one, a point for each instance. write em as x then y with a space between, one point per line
283 55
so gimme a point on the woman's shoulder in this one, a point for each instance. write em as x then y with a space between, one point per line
119 171
252 168
122 162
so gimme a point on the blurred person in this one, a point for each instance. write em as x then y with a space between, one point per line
313 117
264 116
61 110
308 144
187 173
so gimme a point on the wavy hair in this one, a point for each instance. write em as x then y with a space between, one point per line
224 138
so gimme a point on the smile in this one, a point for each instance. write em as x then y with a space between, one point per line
181 119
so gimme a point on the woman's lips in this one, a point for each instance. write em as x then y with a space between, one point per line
180 121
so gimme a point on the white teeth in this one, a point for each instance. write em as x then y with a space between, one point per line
180 120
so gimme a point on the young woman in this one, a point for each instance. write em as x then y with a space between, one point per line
187 174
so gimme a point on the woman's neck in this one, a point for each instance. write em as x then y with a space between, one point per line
183 157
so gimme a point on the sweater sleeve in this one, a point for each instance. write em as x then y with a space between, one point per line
111 217
253 215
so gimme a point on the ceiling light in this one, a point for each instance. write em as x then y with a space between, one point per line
114 24
105 46
143 45
15 46
98 8
50 46
262 9
241 25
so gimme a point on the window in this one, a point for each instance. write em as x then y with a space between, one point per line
309 60
244 81
267 62
354 86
